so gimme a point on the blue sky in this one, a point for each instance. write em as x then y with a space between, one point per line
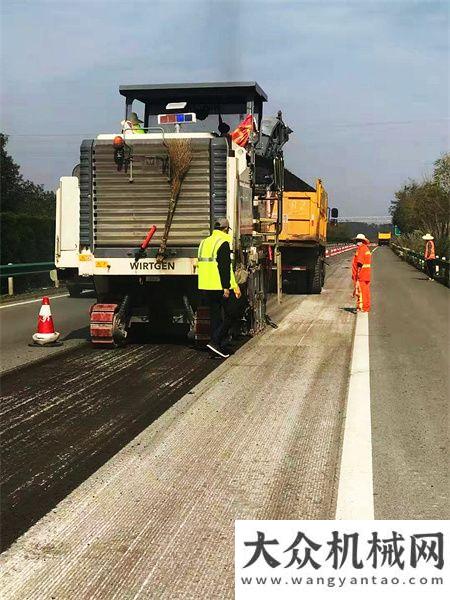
363 84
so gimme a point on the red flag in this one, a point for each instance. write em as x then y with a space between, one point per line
242 132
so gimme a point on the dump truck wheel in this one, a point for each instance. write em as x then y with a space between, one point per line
300 282
316 277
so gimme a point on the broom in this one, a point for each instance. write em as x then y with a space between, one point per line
180 156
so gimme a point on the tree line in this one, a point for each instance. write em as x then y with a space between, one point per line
27 215
345 232
423 207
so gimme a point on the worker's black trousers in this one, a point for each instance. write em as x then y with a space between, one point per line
220 316
430 267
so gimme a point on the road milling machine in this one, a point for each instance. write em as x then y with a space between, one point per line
137 206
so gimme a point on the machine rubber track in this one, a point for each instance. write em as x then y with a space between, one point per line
102 324
110 322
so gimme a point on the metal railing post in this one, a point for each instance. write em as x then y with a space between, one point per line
12 270
10 285
54 277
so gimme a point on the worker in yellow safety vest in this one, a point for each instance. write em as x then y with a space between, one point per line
217 283
132 124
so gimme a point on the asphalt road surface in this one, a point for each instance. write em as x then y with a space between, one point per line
409 353
259 438
65 416
18 322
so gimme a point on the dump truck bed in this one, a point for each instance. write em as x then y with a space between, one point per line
304 217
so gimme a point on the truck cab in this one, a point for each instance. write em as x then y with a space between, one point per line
384 238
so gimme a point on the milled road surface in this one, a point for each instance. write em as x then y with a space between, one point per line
63 418
409 349
258 438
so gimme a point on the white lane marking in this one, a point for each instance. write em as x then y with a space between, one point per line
355 492
31 301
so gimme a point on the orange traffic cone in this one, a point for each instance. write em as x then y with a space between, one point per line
46 333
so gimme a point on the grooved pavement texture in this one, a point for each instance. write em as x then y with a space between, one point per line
259 438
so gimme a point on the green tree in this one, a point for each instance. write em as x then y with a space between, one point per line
338 232
421 207
19 195
27 217
441 175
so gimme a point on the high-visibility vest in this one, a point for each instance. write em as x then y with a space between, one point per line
207 267
430 251
354 267
129 127
364 258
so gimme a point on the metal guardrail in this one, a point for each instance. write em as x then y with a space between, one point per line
417 260
12 270
338 247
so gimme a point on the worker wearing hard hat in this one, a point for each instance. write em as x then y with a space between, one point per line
217 282
361 268
430 255
132 124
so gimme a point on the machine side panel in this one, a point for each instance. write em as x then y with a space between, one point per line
67 219
219 152
86 193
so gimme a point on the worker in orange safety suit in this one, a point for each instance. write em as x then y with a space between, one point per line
361 267
356 290
430 255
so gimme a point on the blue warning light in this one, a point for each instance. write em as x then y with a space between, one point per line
167 119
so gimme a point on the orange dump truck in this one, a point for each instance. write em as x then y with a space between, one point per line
303 237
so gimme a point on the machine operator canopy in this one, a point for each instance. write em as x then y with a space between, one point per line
201 99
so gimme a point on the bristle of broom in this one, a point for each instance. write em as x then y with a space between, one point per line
180 154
